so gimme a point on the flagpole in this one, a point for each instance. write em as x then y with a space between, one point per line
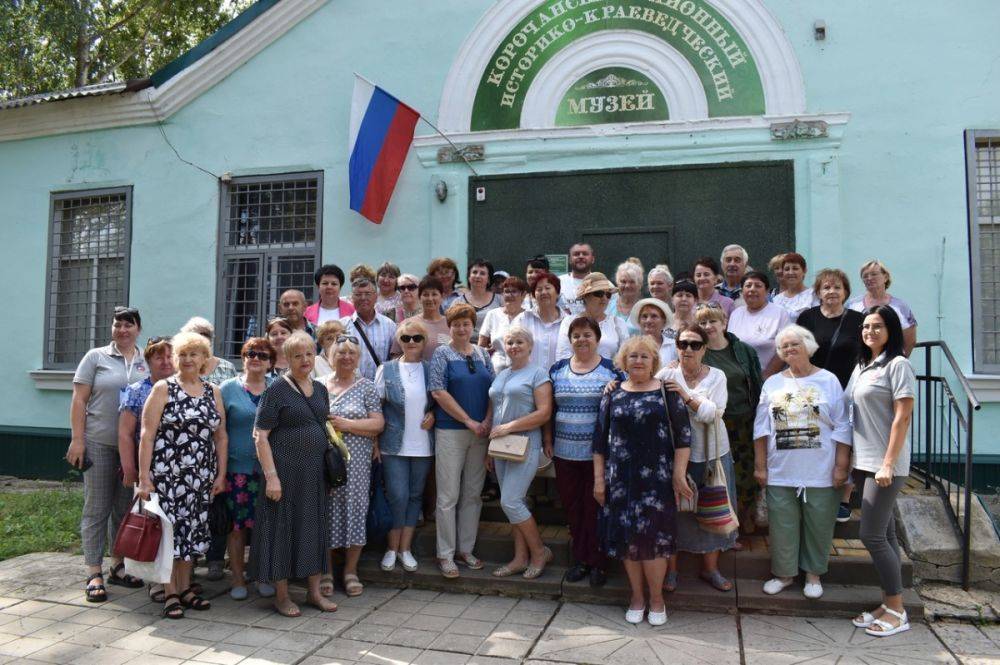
458 151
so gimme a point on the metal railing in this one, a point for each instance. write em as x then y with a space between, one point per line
941 437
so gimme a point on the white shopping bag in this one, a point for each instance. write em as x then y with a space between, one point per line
160 569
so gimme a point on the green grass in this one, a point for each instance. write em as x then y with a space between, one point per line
42 521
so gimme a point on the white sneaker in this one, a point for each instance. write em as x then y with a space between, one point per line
408 561
635 616
388 560
776 585
812 590
657 618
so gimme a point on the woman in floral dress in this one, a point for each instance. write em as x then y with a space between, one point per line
641 449
182 457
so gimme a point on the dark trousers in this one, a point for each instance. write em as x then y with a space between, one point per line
575 483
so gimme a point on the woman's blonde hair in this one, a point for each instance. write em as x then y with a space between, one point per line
704 314
191 341
410 327
342 341
200 325
522 332
875 263
296 341
638 343
327 333
632 267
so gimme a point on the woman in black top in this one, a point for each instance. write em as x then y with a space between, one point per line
837 329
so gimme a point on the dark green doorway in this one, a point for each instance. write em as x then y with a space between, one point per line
671 215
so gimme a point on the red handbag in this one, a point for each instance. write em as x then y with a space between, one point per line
138 537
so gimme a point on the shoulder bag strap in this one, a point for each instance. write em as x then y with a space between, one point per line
298 389
666 408
368 344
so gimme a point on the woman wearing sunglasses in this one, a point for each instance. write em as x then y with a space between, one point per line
407 442
595 291
435 324
703 391
409 299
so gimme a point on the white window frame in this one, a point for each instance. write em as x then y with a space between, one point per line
973 138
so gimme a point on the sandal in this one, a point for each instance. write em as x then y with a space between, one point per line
448 568
96 593
126 580
353 586
326 585
882 628
716 579
506 571
866 619
173 610
470 561
670 582
194 601
288 609
531 572
156 593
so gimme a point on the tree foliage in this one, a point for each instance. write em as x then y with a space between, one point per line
58 44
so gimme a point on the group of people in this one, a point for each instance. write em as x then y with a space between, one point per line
629 399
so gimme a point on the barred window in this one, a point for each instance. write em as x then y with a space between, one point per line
87 271
269 242
983 172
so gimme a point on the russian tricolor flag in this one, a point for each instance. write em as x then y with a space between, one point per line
381 133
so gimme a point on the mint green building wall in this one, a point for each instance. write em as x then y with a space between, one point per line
913 74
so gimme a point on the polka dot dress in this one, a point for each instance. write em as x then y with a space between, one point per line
348 505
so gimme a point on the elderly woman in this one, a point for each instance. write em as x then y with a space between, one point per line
703 390
776 266
277 331
355 412
329 280
649 317
159 359
521 399
326 334
446 271
289 538
706 277
409 298
758 323
880 393
219 369
683 299
182 457
837 329
544 321
407 443
641 446
98 383
877 280
460 378
738 361
595 291
498 321
388 296
802 453
241 396
577 385
795 298
479 295
431 318
628 277
659 281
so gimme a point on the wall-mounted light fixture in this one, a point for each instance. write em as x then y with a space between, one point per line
819 30
441 190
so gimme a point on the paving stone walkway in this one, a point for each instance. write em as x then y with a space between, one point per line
44 619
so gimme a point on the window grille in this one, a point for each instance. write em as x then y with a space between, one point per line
269 242
87 271
983 166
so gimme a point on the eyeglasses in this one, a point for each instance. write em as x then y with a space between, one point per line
156 340
600 294
512 292
708 305
259 355
121 309
408 287
406 339
471 364
347 338
684 345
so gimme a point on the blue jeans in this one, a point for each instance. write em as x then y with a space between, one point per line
515 480
404 486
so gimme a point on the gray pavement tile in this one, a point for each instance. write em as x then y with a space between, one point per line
447 610
495 601
153 659
481 613
268 656
7 601
27 608
323 626
517 631
88 618
463 599
60 631
388 618
424 595
254 636
225 654
467 644
491 660
58 612
60 653
528 618
279 622
352 650
212 632
427 622
388 654
963 639
472 627
348 613
97 636
411 637
24 646
24 625
182 647
536 605
441 658
300 642
141 640
404 605
776 640
504 648
327 660
130 621
366 632
105 656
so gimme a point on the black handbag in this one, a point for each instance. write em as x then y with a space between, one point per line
220 523
334 466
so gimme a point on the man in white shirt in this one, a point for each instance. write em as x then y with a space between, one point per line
581 262
366 323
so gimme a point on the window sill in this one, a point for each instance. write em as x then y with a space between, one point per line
52 379
986 386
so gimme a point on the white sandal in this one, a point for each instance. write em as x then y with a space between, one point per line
885 628
867 618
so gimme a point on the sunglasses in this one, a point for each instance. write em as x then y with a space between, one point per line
156 340
406 339
120 309
259 355
708 305
600 294
407 287
347 338
684 345
471 364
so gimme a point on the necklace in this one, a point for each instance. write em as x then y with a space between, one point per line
697 376
411 368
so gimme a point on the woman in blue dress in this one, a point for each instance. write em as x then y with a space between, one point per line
641 449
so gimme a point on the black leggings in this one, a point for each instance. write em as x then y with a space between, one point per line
878 530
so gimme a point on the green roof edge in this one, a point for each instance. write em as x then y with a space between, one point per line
209 44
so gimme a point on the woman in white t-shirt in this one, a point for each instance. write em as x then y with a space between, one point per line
407 442
595 291
758 323
796 298
802 455
498 321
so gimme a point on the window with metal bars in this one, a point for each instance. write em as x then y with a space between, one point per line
270 230
89 241
983 173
